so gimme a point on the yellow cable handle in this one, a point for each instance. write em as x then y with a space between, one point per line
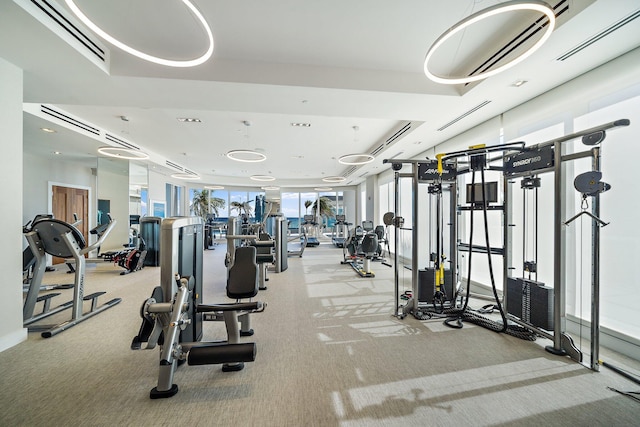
475 147
437 281
439 157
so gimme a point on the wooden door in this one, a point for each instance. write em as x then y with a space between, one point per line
65 202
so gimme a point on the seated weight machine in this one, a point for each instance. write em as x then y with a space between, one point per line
174 314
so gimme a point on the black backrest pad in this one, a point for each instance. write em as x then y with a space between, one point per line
51 231
243 274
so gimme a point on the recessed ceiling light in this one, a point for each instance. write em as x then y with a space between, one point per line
146 56
518 83
301 125
262 178
57 153
214 187
356 159
185 176
48 130
334 179
189 120
270 188
248 156
323 188
123 153
509 6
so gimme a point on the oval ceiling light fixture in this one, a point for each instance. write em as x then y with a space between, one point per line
156 60
509 6
248 156
356 159
323 188
213 187
334 179
262 178
185 176
270 188
123 153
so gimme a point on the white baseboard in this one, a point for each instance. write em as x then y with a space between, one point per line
13 339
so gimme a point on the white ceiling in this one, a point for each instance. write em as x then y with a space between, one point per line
333 64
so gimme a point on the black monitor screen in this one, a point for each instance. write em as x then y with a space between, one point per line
474 193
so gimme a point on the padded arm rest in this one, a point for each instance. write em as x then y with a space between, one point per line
241 306
264 244
264 258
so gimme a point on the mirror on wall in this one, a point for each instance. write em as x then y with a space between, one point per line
138 198
113 198
138 190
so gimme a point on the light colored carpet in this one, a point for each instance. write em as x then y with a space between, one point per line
329 354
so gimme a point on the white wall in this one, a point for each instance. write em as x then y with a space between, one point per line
40 171
11 330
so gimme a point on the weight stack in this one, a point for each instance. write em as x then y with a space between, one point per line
531 302
426 285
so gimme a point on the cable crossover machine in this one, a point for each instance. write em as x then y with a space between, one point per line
528 308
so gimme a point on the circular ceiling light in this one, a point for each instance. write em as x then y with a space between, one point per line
262 178
335 179
248 156
323 188
538 6
356 159
161 61
123 153
214 187
270 188
185 176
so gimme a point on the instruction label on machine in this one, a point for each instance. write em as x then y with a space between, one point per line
529 161
428 171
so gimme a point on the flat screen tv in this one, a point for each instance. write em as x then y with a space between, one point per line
474 193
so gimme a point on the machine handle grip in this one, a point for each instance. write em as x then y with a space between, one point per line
213 353
240 306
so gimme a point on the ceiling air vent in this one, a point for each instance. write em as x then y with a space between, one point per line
521 38
62 22
174 166
120 142
463 115
378 149
403 129
190 172
349 171
616 26
68 119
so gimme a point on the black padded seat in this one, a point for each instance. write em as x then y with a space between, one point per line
369 243
242 281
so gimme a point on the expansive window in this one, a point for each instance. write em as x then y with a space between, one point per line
235 202
290 206
619 290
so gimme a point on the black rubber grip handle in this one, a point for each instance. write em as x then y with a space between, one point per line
241 306
213 354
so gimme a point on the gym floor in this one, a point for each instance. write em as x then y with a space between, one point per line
329 354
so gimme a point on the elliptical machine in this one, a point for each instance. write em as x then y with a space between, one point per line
60 239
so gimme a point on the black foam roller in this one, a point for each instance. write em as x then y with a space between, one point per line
222 353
